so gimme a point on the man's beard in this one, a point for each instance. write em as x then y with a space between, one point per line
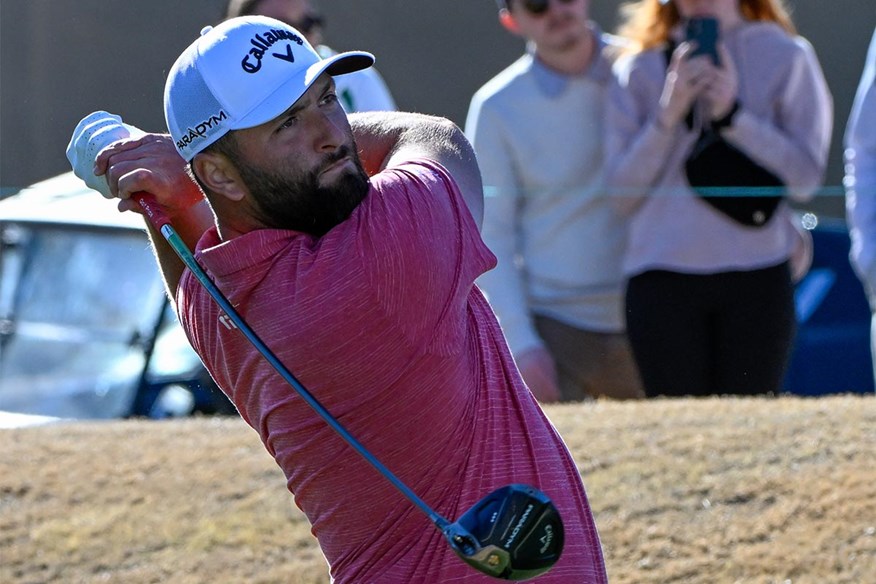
298 202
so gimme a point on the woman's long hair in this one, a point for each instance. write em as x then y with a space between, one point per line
648 23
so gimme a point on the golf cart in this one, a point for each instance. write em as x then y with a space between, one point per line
86 330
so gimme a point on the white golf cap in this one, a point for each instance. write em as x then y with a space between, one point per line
240 74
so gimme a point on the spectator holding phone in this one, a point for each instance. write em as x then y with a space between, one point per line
709 298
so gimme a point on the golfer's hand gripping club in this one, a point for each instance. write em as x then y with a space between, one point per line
514 533
95 132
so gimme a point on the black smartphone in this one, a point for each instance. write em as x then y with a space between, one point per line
704 32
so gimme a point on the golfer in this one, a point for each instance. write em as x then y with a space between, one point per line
351 245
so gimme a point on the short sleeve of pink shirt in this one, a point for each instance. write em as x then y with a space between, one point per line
381 321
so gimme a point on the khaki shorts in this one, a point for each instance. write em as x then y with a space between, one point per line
590 364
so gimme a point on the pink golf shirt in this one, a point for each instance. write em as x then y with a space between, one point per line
381 321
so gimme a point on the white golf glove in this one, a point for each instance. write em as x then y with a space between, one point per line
95 132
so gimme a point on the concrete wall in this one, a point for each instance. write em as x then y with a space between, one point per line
61 59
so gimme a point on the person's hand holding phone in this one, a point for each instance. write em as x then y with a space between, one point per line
722 85
686 79
700 67
722 89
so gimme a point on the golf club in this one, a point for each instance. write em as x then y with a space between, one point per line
514 533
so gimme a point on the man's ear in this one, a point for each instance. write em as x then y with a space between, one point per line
507 20
219 175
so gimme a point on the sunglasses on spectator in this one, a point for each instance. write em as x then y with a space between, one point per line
539 7
308 23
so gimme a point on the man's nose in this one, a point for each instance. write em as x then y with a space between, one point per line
329 131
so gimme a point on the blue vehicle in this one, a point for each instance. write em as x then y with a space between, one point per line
86 330
832 350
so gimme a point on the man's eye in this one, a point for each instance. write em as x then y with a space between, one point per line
330 98
290 121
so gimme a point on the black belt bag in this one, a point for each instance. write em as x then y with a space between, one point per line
725 177
731 182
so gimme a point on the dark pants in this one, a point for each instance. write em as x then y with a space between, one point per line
726 333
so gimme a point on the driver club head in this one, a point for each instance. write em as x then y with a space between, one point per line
514 533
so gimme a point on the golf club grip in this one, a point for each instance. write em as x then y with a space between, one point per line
153 213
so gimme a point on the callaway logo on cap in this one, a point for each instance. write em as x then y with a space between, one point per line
240 74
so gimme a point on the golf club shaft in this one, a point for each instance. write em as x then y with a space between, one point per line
161 223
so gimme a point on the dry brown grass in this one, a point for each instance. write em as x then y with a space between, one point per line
684 491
